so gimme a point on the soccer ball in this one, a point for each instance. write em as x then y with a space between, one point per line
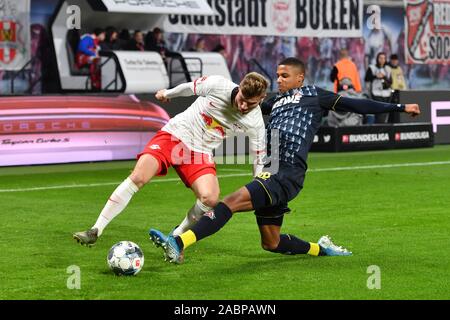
125 258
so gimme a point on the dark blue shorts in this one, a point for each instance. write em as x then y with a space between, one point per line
271 193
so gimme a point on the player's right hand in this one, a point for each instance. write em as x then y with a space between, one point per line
413 109
160 95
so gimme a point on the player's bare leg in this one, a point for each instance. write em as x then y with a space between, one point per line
270 236
239 201
208 224
206 189
146 167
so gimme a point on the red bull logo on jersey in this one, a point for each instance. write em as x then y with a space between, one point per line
8 38
212 124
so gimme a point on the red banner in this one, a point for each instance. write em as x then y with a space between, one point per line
427 25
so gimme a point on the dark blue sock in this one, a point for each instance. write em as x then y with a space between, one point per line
211 222
290 244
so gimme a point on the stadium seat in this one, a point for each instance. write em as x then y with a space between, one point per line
72 39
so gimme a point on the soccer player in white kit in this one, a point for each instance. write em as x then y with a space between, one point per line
187 141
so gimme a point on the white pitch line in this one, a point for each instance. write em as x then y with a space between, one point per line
233 170
381 166
71 186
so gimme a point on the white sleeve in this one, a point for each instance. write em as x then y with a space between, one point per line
200 87
258 147
182 90
205 86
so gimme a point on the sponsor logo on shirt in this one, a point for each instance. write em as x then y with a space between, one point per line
288 100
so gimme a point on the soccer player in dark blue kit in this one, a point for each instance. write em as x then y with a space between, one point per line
295 116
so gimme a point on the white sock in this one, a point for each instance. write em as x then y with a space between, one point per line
194 214
116 203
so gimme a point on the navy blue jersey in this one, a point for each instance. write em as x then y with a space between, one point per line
296 115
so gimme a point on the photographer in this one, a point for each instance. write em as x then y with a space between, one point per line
379 81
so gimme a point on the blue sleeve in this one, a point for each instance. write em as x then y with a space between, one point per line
85 45
332 101
266 106
327 99
366 106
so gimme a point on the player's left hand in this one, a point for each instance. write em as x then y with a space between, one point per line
412 109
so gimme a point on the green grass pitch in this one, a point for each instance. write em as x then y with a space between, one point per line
391 215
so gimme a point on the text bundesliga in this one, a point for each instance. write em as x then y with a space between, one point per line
226 309
314 14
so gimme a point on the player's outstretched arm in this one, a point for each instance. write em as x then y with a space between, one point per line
203 86
365 106
182 90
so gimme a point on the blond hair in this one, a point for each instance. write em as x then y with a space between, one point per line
253 85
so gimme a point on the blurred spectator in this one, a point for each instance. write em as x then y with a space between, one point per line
308 51
124 38
345 68
137 43
342 118
398 83
379 80
111 40
325 61
398 79
87 55
220 49
89 43
199 45
154 41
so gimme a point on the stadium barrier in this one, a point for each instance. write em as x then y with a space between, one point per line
374 137
63 129
435 108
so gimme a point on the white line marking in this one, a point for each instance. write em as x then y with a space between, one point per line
234 170
382 166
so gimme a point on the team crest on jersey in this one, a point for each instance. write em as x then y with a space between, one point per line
210 214
155 147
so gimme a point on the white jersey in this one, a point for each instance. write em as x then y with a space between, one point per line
213 117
